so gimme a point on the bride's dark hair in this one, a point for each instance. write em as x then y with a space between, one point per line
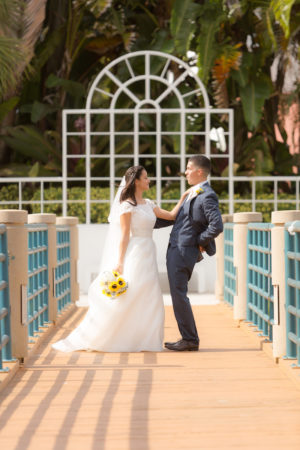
128 193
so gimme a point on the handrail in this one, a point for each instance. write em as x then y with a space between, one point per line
64 201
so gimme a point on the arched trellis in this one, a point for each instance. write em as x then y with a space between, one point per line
151 85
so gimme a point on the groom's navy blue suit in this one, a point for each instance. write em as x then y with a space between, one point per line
198 222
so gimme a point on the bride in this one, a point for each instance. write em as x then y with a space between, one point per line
134 321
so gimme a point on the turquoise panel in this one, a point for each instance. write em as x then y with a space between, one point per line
63 269
5 334
260 299
229 270
292 274
38 286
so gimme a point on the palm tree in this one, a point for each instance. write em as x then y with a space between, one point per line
20 26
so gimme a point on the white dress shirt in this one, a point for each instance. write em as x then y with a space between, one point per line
194 190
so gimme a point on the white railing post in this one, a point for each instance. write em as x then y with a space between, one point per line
279 218
219 287
241 221
17 244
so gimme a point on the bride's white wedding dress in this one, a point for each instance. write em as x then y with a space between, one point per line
134 321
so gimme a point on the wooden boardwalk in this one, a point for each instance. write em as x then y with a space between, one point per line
229 395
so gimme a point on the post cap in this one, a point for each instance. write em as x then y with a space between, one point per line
247 217
71 220
281 217
227 218
13 216
42 218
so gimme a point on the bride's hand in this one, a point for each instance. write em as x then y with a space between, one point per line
119 268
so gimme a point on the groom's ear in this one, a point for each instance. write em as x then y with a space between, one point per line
203 172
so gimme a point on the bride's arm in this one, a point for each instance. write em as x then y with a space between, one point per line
125 220
170 215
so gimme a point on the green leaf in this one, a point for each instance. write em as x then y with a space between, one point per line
47 48
163 43
40 110
257 156
207 47
183 23
71 87
15 170
34 171
253 96
282 12
283 159
31 143
8 106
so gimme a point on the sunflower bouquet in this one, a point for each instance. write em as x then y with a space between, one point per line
113 284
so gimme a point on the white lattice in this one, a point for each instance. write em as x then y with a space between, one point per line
127 75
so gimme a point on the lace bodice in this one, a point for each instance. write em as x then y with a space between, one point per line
142 218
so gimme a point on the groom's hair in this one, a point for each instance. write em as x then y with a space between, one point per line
202 162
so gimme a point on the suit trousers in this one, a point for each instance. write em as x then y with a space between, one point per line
179 272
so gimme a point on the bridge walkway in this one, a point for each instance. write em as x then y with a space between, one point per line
228 395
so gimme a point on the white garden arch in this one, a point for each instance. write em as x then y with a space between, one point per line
144 86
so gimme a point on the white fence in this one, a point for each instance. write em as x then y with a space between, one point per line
235 185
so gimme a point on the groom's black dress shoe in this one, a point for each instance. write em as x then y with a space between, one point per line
182 346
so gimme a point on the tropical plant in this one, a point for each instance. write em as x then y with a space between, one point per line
235 42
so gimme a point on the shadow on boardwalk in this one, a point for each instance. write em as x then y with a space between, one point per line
230 394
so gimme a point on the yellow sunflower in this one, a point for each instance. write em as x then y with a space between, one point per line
116 274
121 282
113 286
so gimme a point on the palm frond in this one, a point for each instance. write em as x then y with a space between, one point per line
10 56
10 16
34 16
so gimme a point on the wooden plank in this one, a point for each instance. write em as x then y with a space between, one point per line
230 394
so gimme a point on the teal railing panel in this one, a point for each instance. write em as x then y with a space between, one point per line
260 298
38 286
292 274
63 269
5 335
229 269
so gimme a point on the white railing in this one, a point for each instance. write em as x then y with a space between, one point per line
253 199
234 187
22 202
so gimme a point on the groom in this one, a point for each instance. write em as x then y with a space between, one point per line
198 222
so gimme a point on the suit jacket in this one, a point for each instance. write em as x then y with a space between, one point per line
198 222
